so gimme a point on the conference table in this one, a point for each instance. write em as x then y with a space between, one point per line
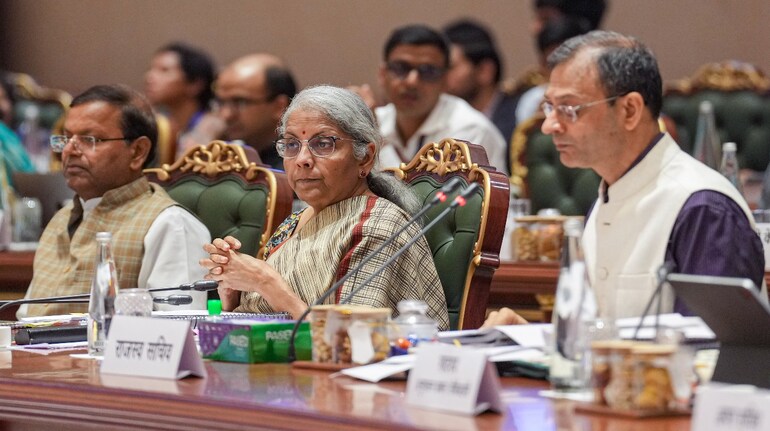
520 285
61 392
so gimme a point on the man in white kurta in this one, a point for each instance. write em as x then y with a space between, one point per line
414 79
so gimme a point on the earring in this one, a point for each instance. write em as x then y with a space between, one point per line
362 174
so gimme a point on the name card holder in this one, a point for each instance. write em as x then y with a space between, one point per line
453 379
147 347
731 408
763 229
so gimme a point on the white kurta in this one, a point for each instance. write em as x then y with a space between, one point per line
452 117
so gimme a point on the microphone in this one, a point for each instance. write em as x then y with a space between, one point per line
173 300
459 201
440 197
200 286
662 273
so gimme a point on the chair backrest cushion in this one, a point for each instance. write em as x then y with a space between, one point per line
227 206
466 244
547 182
229 192
451 241
742 117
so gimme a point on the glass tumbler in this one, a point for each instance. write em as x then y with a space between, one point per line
27 220
133 302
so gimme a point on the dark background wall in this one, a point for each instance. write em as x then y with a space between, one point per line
73 44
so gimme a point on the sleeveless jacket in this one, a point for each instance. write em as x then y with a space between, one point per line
64 261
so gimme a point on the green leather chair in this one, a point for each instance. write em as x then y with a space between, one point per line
51 103
539 175
739 94
230 194
466 244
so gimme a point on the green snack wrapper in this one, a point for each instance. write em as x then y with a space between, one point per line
253 342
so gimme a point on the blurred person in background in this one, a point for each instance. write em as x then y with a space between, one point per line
12 153
475 71
413 75
591 12
251 94
551 35
179 85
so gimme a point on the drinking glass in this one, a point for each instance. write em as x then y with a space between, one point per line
27 220
133 302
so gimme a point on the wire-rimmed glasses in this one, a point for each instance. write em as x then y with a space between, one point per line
571 111
319 146
58 142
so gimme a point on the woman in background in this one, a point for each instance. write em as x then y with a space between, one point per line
179 85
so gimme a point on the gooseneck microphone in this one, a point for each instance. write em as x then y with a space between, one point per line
657 294
441 196
459 201
199 286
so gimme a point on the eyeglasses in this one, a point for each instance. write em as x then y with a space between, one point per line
426 72
58 142
319 146
237 103
570 111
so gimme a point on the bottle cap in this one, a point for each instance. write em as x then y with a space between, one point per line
214 307
729 146
573 226
409 305
706 107
103 236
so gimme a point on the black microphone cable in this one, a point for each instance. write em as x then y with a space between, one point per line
459 201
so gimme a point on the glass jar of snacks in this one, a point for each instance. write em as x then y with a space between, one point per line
524 239
600 368
322 349
603 353
359 334
550 234
619 393
538 238
653 389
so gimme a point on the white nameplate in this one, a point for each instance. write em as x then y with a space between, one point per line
764 234
455 379
731 408
147 347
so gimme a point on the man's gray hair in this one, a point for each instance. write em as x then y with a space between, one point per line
352 116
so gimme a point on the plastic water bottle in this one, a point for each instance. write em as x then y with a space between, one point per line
729 167
104 289
707 142
516 208
413 324
574 309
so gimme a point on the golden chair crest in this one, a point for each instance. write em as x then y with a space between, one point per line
28 88
444 157
215 158
730 75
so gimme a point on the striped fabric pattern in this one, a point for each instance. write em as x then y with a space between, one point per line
336 240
